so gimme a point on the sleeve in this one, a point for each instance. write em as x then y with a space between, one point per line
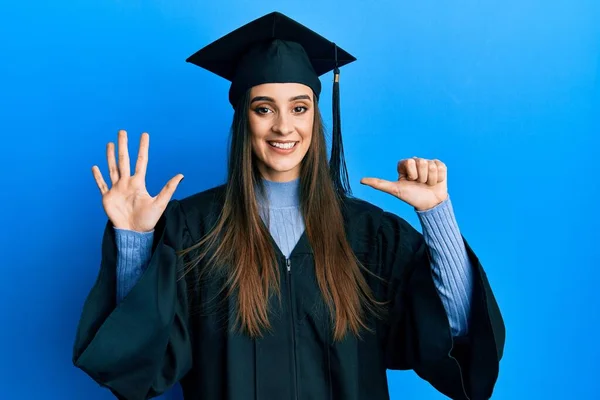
139 347
419 335
134 250
450 263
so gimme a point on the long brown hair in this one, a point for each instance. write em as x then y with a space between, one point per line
241 243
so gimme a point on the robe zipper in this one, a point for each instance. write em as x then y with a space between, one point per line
288 263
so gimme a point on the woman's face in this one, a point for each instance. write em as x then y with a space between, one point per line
281 119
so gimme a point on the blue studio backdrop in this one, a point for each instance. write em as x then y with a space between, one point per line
506 93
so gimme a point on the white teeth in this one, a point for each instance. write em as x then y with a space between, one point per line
283 145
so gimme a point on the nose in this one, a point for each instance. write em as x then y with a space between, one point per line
283 124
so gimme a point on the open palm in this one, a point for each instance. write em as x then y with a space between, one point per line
127 203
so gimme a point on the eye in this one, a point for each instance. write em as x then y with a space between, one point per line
300 109
261 110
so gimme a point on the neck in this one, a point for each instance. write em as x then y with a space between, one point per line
280 194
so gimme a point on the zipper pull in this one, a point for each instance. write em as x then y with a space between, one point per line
288 262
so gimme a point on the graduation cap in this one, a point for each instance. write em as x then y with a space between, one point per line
276 49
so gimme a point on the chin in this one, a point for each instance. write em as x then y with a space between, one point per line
281 169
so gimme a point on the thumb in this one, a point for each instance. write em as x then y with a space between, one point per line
381 184
167 191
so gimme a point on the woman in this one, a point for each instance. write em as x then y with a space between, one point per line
279 284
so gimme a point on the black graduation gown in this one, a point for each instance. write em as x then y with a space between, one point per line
163 331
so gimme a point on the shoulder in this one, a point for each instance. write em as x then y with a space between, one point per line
367 223
204 201
359 205
201 210
358 212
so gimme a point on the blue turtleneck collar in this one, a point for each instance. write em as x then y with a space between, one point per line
281 194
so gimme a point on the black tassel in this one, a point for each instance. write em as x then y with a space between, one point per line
337 162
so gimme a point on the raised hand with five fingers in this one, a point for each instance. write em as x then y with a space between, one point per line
127 203
421 183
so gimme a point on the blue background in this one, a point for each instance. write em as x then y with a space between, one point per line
506 93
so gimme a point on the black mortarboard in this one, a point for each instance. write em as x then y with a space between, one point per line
276 49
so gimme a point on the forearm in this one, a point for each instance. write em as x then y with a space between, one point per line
134 250
451 268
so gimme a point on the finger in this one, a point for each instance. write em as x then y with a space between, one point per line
408 169
124 167
422 169
381 184
442 171
113 172
432 174
401 167
163 198
142 160
99 180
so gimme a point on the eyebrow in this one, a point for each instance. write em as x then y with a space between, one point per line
266 98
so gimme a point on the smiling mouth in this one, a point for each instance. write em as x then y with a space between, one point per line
283 145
